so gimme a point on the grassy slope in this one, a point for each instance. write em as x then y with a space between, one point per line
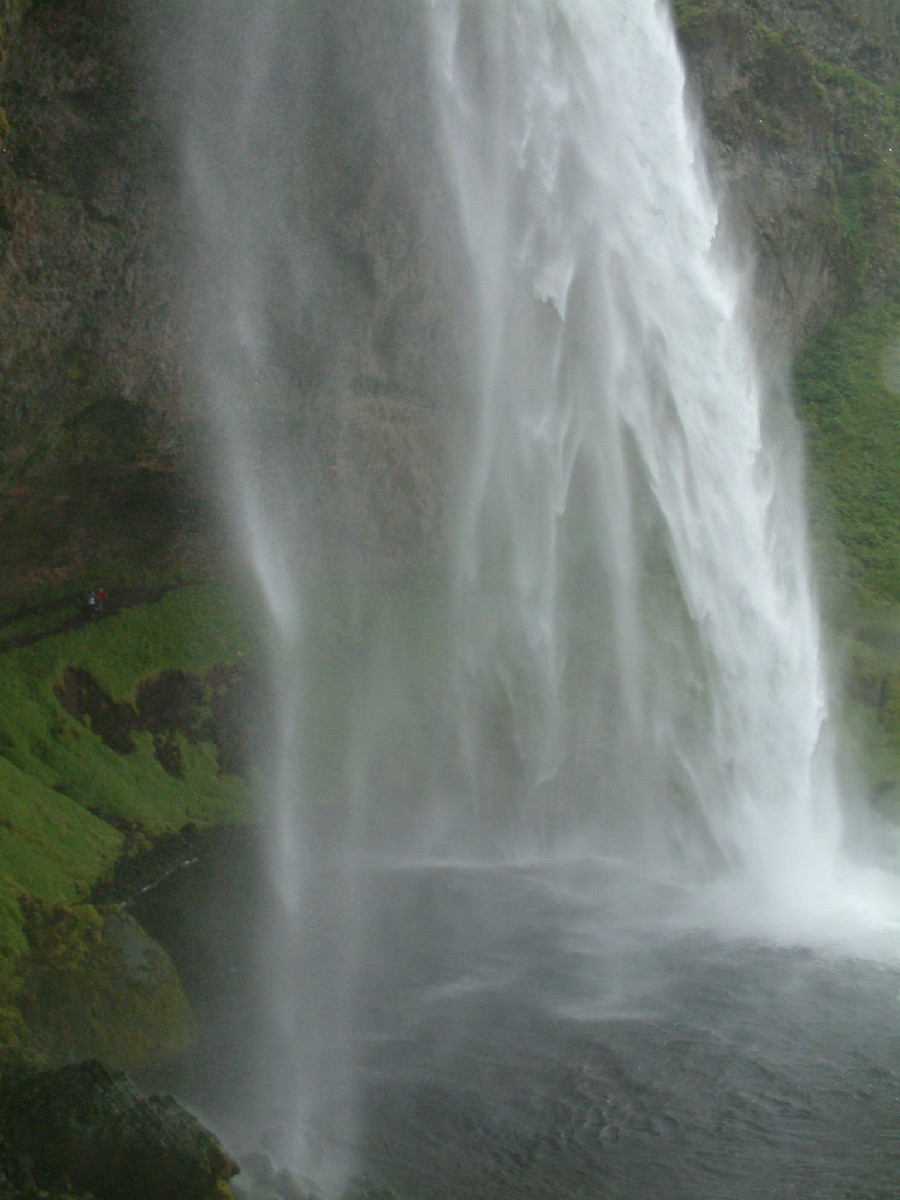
69 804
850 403
848 392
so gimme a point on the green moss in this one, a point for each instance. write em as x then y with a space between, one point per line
97 986
851 412
70 803
789 100
49 845
868 650
192 630
697 21
802 101
865 149
849 400
785 75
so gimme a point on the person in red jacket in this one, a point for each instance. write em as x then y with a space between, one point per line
97 601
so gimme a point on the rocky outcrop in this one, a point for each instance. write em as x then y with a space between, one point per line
93 459
83 1130
96 985
862 35
802 123
171 705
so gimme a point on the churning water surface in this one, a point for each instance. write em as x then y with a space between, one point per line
535 1032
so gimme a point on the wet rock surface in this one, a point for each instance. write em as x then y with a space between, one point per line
102 425
96 985
92 453
85 1130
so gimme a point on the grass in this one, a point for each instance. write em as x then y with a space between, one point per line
850 406
848 395
69 804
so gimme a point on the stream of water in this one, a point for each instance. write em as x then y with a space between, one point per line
567 894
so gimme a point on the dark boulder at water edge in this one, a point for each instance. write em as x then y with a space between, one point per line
84 1129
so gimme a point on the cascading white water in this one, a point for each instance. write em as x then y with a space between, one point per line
632 576
623 659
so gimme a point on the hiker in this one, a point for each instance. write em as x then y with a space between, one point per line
96 601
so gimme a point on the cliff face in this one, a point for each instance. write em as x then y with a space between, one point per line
102 437
801 105
91 425
99 428
97 420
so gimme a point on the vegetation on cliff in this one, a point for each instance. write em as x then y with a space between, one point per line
848 391
804 113
117 733
113 733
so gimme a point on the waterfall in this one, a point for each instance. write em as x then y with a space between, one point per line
615 654
631 574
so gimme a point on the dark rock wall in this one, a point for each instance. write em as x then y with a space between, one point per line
354 349
92 429
863 35
100 433
84 1130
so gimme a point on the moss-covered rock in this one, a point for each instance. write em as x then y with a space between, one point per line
102 753
97 986
849 399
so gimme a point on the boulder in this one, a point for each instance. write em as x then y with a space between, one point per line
96 985
85 1130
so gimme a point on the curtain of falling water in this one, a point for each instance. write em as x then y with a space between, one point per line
633 597
625 663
